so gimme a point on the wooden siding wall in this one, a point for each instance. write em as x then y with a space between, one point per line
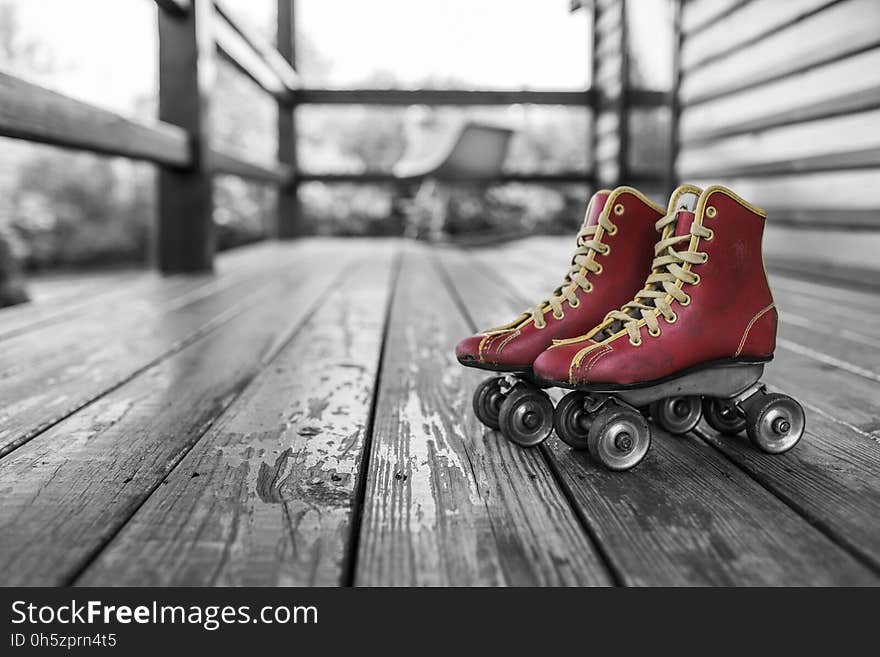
781 100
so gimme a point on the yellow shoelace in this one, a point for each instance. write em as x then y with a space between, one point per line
580 261
662 283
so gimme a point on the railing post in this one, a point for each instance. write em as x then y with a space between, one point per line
674 103
596 98
289 210
623 107
185 235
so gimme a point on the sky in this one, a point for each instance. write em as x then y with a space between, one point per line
105 50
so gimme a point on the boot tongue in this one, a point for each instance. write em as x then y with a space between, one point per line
683 223
597 204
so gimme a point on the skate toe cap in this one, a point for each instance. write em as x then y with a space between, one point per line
468 350
554 364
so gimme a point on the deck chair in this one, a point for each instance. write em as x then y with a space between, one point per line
473 153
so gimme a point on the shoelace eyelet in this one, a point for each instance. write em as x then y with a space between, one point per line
698 279
599 271
619 209
711 212
606 251
637 343
575 303
687 300
559 316
589 288
612 230
671 321
654 333
711 235
541 325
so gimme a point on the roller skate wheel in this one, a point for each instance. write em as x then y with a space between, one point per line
677 415
487 401
526 416
619 437
723 415
571 421
774 422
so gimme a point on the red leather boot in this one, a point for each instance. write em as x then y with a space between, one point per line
614 250
693 341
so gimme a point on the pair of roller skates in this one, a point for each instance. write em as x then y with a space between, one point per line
692 325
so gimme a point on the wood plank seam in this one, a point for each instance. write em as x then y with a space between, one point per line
276 349
592 537
349 566
797 510
175 347
838 539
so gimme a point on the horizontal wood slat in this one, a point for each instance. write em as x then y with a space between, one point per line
848 142
439 97
699 14
861 159
842 31
178 7
284 73
847 190
239 52
372 177
28 111
749 24
858 101
223 163
826 217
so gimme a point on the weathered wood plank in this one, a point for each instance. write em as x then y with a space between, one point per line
49 372
683 516
842 395
68 492
266 496
93 294
446 502
54 300
824 294
832 478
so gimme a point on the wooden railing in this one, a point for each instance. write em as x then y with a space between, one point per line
191 33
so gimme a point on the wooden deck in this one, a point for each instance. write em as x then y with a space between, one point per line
299 419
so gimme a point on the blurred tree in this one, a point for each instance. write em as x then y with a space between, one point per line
18 56
74 210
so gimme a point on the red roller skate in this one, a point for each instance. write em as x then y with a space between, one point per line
614 251
692 343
